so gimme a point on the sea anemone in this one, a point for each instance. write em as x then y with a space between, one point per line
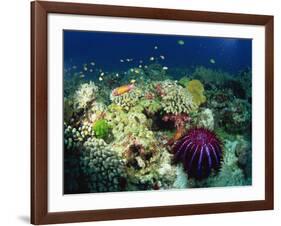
200 151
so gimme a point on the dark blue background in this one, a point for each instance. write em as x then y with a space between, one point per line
107 48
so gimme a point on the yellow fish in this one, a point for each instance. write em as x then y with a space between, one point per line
122 89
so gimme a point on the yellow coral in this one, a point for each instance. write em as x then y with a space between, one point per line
196 88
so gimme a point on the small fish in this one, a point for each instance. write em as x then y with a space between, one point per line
181 42
117 75
165 68
91 70
140 61
129 60
85 69
162 57
93 63
133 81
151 58
137 71
102 74
212 61
122 89
140 66
121 60
74 67
100 78
145 66
131 70
155 47
82 76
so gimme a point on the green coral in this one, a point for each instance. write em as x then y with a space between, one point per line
196 88
101 128
103 167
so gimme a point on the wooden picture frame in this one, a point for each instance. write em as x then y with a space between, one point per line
39 112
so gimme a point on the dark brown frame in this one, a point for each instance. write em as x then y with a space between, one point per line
39 112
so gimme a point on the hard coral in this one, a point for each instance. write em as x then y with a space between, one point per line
177 99
103 167
86 93
127 100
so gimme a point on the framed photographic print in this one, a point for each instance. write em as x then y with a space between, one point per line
145 112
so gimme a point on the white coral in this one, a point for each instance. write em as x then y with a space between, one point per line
86 93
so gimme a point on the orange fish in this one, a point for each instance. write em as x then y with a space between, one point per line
178 134
123 89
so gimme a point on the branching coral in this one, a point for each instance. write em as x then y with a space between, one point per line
127 100
103 167
151 106
75 137
86 93
176 99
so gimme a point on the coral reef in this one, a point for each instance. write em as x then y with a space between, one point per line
176 100
127 100
141 129
179 120
200 151
103 167
101 128
205 119
86 94
184 81
243 152
236 117
196 88
75 137
210 77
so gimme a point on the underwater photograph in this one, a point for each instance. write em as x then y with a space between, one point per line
147 112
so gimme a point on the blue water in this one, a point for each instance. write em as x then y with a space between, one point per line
107 48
